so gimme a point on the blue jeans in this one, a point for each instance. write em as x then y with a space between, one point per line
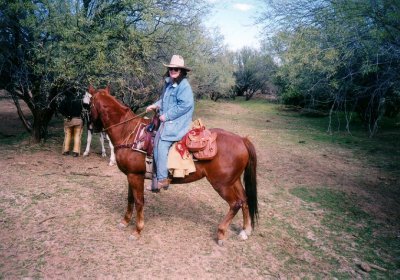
161 149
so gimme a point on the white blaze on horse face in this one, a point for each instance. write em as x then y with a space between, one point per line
86 98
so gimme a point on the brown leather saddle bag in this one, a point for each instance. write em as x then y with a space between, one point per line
202 143
197 139
210 149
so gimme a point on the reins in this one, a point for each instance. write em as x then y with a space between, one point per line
125 121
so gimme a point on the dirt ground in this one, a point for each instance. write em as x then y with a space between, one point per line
59 214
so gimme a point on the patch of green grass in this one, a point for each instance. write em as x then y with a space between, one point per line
256 105
61 190
347 222
335 201
291 246
23 140
8 140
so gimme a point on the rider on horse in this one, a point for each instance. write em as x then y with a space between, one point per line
176 106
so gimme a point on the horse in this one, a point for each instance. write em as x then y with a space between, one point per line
236 156
90 130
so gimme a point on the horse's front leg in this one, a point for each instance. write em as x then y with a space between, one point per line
129 210
103 149
136 184
88 142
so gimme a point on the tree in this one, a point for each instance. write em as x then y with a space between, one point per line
344 54
254 72
20 53
213 67
306 74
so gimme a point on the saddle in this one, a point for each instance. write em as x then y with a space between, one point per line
144 142
145 138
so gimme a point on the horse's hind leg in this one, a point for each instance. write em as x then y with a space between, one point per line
247 229
88 142
112 154
103 149
235 197
223 226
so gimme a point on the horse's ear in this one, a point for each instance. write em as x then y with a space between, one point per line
91 89
108 88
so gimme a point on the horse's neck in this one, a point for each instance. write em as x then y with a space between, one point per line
123 130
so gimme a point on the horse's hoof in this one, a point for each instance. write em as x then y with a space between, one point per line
220 242
133 237
248 231
103 154
243 235
121 225
85 154
111 163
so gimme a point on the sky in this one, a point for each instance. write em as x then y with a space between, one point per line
235 21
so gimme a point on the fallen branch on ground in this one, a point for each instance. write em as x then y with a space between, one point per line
88 174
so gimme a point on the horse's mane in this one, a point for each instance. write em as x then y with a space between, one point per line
118 102
121 102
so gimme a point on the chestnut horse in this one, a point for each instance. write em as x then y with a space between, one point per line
236 155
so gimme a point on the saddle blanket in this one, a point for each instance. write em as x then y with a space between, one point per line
180 167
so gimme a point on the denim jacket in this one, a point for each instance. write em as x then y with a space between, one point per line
177 104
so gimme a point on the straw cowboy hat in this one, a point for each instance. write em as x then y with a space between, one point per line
177 62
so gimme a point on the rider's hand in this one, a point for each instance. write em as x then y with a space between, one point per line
151 108
162 118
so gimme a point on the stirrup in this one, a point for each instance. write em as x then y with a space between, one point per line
149 188
153 187
163 184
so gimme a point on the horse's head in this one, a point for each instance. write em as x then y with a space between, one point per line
86 99
93 91
91 98
105 109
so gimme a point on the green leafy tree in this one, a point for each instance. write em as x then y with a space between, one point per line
213 67
306 75
254 72
24 71
343 55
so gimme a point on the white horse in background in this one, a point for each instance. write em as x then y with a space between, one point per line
103 135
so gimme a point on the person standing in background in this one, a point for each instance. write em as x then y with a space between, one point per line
71 108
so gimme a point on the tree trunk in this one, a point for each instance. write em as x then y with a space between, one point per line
249 94
41 119
41 115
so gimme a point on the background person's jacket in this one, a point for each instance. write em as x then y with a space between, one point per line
71 107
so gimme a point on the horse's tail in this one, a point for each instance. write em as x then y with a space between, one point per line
250 181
